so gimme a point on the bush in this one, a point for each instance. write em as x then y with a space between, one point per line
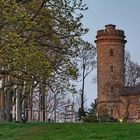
108 119
90 118
93 118
81 113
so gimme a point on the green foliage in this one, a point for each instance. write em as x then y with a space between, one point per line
104 115
93 108
107 118
81 113
39 40
91 118
92 112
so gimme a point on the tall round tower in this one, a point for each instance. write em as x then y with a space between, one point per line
110 69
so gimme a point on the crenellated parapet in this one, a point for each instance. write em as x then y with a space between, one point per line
110 34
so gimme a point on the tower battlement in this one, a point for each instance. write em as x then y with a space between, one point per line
110 30
110 34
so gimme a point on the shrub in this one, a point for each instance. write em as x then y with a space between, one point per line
90 118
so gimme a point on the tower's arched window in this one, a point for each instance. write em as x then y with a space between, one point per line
111 52
111 68
111 111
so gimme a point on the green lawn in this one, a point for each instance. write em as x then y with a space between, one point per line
83 131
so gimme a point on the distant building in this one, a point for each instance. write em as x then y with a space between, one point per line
114 98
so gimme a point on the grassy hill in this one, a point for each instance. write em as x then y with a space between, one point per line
84 131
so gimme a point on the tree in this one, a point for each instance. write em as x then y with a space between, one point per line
93 108
37 36
38 40
132 71
86 62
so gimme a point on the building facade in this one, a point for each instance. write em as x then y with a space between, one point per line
112 93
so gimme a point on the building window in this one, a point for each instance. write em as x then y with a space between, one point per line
111 111
111 68
111 89
111 52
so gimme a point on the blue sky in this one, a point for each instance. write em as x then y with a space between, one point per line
125 14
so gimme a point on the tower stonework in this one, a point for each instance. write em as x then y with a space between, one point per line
110 69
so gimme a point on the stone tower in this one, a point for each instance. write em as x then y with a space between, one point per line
110 69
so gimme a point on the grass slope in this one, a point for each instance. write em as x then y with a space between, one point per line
85 131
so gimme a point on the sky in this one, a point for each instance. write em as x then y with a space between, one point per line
125 14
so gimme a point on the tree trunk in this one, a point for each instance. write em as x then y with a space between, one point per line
42 102
30 106
8 101
83 88
55 107
18 105
2 106
2 101
14 112
42 107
